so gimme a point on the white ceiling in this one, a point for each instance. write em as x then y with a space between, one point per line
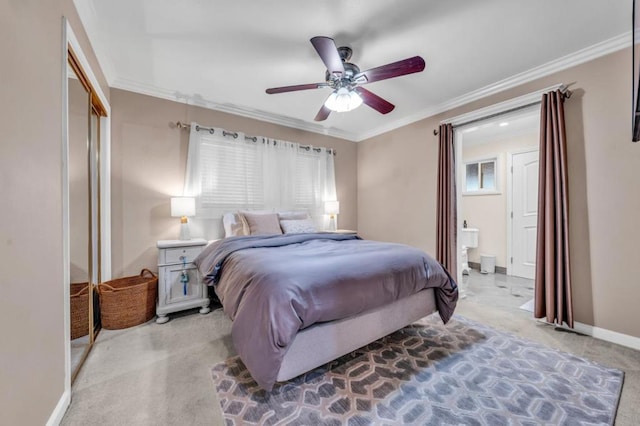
223 54
507 126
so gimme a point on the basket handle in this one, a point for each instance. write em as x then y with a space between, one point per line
82 290
106 287
103 286
146 270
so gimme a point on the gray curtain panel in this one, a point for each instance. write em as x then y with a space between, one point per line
553 275
446 230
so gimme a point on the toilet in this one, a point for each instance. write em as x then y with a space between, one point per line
468 240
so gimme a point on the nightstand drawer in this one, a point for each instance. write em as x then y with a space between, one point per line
174 289
181 254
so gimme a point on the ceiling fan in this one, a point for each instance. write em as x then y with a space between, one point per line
345 79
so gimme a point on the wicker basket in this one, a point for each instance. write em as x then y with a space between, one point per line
79 310
128 301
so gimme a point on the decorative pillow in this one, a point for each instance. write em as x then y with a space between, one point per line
247 231
298 226
262 224
293 215
234 225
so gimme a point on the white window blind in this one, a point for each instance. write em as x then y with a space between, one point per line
304 188
226 174
231 175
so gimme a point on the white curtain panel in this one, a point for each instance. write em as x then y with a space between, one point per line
279 173
227 173
324 185
192 180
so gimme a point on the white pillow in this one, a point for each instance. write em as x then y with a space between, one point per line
298 226
233 225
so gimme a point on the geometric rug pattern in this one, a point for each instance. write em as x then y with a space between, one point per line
431 374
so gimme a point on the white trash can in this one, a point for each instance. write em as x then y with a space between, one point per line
487 264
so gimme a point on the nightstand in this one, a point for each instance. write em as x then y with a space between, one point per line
180 286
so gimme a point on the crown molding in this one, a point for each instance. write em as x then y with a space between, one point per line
581 56
576 58
500 107
172 95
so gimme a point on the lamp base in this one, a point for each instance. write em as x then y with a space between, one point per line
184 231
332 223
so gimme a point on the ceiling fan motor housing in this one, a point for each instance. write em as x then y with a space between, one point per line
350 70
345 53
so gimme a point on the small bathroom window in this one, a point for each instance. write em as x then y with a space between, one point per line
481 177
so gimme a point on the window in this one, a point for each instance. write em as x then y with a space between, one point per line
481 177
230 173
304 182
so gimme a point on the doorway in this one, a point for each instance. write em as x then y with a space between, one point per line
495 159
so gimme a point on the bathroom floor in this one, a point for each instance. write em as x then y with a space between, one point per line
498 290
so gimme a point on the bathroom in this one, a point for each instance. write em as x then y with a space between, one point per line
497 204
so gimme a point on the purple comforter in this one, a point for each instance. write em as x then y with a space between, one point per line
274 286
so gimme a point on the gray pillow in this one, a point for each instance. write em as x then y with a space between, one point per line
263 224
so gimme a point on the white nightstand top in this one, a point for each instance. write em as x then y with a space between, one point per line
182 243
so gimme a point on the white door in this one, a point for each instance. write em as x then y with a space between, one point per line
525 214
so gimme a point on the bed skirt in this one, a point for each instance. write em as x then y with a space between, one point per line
324 342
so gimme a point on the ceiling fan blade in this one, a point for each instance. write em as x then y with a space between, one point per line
394 69
328 52
284 89
374 101
322 114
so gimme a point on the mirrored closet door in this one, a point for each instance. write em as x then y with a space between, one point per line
83 115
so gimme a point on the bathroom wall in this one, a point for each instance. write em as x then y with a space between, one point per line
488 212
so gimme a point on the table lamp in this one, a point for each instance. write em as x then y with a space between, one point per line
183 207
332 208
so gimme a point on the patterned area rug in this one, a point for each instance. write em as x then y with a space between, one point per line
431 374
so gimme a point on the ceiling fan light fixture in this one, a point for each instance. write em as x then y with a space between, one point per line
343 100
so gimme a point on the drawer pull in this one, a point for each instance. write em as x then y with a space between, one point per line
180 255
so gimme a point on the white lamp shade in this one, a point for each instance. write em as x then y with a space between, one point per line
332 207
183 206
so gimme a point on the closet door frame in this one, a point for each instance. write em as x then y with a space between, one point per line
72 53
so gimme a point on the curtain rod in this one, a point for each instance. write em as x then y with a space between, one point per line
566 93
211 130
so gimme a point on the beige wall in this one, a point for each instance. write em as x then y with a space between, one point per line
488 213
397 187
148 161
31 269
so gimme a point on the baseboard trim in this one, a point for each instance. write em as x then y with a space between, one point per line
61 408
600 333
499 269
608 335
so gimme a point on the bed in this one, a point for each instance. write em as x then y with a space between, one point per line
300 300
